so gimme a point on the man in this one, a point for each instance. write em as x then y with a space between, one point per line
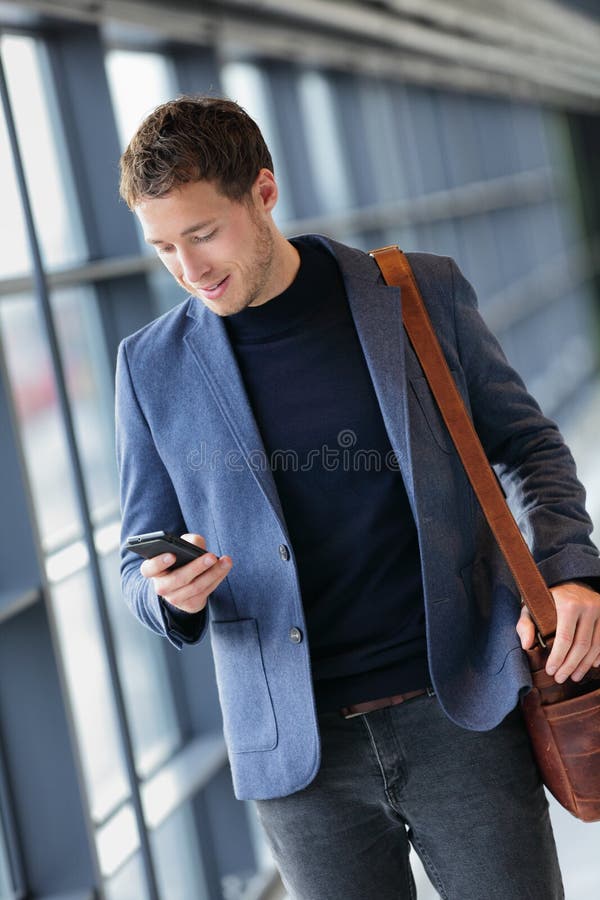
364 628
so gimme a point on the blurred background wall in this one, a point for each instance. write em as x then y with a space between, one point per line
452 126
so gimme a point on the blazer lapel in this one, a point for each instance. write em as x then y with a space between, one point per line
377 312
208 341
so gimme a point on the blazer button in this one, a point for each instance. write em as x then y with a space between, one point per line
295 635
284 552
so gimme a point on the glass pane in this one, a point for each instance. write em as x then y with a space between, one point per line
421 139
407 138
328 162
128 882
89 382
165 290
153 723
44 155
387 172
117 840
14 255
138 82
245 83
42 433
494 128
458 137
5 879
89 686
177 839
560 157
528 126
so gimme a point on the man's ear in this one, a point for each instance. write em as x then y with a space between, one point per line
265 190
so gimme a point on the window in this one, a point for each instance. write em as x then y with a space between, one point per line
14 254
149 81
326 157
175 839
154 729
44 157
245 83
42 431
128 881
5 879
88 377
89 683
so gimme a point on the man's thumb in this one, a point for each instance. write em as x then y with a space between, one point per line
526 629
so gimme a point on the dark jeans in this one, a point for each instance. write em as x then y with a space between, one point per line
470 803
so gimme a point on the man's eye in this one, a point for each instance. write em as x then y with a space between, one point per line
203 238
166 248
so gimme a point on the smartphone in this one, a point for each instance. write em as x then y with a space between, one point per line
156 542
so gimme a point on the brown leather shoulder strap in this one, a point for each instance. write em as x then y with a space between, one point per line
397 271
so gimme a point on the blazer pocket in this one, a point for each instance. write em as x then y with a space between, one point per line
248 716
431 413
493 610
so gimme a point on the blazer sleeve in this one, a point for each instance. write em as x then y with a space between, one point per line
535 467
148 503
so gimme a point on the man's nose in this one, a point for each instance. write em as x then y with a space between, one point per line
194 267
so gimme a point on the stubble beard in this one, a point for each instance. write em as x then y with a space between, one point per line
261 271
256 276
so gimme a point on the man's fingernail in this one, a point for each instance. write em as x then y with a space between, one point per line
167 558
551 670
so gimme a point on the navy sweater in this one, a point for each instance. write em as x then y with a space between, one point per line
343 498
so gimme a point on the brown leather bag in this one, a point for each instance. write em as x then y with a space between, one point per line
563 720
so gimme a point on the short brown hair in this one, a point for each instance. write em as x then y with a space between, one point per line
193 139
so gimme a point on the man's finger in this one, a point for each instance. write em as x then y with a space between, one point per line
526 629
151 568
563 641
590 657
168 582
565 646
158 565
193 596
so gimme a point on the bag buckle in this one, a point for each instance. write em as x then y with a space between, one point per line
541 641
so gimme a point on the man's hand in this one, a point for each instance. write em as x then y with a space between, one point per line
188 586
576 645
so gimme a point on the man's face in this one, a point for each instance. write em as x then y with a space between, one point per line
221 251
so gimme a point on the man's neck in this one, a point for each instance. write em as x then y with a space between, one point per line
287 264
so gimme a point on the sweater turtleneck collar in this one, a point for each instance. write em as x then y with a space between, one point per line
317 277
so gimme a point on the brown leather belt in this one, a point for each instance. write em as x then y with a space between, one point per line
370 705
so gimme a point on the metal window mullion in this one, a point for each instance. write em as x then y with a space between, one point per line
43 300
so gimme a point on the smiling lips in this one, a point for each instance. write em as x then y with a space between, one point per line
213 293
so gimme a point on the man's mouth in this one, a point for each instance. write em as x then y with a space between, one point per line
215 290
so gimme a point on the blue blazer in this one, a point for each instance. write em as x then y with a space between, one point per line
191 459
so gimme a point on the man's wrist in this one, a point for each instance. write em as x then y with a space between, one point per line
187 626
